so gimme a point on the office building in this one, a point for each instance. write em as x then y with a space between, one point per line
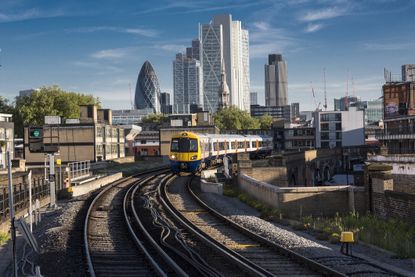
165 106
147 91
274 111
224 41
194 51
276 84
27 92
129 117
343 103
92 138
295 111
374 111
187 83
339 128
254 98
408 72
289 138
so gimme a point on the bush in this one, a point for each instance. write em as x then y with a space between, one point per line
4 237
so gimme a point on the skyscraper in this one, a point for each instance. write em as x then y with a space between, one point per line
276 85
254 98
165 106
147 90
224 41
187 83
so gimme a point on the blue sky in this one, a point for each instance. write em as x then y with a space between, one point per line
98 47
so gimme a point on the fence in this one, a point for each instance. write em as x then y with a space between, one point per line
79 170
40 189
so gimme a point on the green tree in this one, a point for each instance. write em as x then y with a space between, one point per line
158 118
31 109
265 121
5 107
233 118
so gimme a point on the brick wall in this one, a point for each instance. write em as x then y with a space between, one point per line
404 183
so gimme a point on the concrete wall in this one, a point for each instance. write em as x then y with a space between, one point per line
93 185
302 201
404 183
272 175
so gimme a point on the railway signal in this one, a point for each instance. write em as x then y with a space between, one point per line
36 139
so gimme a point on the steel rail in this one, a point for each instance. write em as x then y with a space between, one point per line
91 206
248 266
320 268
149 238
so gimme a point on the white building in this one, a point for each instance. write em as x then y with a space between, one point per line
339 128
6 138
128 117
187 83
224 40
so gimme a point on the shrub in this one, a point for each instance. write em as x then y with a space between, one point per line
4 237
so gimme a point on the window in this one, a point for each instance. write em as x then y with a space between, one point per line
325 144
338 135
338 126
184 145
338 117
325 136
325 117
324 126
241 144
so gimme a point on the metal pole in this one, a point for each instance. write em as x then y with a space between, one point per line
11 209
29 178
60 177
52 180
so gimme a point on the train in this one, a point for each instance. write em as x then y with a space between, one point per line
193 152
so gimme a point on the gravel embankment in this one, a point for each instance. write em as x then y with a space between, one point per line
301 242
60 235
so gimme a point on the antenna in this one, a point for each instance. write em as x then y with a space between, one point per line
131 99
325 91
354 92
346 99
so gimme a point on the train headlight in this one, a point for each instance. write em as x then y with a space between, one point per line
193 157
173 157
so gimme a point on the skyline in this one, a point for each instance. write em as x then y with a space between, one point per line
99 48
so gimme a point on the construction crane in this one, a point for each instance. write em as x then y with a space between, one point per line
325 91
314 98
131 98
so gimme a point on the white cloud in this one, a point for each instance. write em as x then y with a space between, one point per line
311 28
323 14
136 31
28 14
116 53
265 39
171 47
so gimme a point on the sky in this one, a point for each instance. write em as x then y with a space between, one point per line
98 47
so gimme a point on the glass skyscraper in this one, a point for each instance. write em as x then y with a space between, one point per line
147 91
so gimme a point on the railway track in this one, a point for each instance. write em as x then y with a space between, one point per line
252 256
112 247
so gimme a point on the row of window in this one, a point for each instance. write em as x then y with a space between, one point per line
238 144
325 135
325 126
331 117
109 149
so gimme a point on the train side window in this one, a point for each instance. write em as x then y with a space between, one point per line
174 145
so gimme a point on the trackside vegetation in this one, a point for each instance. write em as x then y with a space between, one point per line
393 235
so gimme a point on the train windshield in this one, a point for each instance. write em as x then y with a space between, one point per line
183 145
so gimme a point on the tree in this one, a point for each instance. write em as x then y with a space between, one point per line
31 109
158 118
5 107
233 118
265 121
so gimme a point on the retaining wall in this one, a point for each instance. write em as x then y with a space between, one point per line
302 201
93 185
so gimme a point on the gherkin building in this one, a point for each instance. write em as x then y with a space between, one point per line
147 91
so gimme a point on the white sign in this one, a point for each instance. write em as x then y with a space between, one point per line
72 121
52 120
176 123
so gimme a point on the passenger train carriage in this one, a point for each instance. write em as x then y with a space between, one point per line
192 152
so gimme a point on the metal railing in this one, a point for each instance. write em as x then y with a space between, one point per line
40 189
79 170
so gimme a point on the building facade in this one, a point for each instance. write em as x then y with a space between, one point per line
165 106
187 83
254 98
339 128
398 99
147 91
294 139
398 135
276 84
408 73
274 111
374 111
6 138
295 111
224 41
128 117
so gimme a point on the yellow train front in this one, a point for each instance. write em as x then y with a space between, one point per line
185 152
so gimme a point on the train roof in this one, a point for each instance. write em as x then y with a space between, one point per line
218 136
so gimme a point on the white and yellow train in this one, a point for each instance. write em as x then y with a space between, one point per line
192 152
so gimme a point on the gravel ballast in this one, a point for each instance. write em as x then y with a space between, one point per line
301 242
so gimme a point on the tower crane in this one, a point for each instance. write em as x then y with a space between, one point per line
314 98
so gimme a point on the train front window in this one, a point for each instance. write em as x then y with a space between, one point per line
184 145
